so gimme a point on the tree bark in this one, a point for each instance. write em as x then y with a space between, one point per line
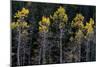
18 47
40 54
87 50
61 46
24 54
79 51
44 48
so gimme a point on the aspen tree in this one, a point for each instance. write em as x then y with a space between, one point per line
60 18
20 25
43 30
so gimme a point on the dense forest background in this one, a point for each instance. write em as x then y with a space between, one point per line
49 33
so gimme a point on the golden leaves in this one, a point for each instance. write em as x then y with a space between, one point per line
45 21
61 25
23 13
44 24
78 35
20 23
78 21
89 26
13 25
43 29
80 27
60 16
61 10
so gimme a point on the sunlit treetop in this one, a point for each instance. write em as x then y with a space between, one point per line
45 21
78 21
60 16
89 26
44 24
23 13
20 22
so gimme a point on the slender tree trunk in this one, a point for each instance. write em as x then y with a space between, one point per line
41 48
23 54
79 52
87 50
44 48
40 54
50 54
29 55
73 53
18 47
61 45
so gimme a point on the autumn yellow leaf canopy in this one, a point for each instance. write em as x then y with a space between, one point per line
23 13
44 24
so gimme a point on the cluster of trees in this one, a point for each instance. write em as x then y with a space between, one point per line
51 38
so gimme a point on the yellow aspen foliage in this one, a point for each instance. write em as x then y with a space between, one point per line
13 25
78 35
61 16
43 29
78 21
19 23
61 25
89 26
23 13
45 21
44 24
